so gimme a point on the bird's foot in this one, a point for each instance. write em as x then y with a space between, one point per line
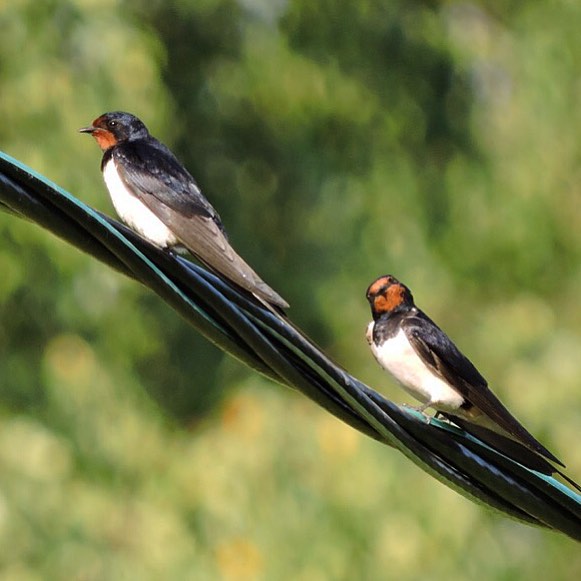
440 416
420 409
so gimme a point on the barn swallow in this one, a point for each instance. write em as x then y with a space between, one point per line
157 197
429 366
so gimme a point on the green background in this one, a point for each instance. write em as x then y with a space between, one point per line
339 140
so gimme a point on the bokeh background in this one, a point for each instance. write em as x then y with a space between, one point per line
340 140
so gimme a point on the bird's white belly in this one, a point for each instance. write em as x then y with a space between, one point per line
398 357
134 212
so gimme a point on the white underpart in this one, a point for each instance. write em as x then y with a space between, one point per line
369 335
134 212
398 357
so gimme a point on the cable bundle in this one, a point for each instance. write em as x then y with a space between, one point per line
273 346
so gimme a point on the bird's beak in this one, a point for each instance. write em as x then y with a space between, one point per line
90 129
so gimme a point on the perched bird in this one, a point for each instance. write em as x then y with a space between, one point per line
427 364
157 197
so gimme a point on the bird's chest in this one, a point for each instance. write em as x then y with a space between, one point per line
397 356
134 212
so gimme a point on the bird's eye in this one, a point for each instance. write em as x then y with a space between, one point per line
112 124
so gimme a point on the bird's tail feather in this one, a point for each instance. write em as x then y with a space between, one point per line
509 447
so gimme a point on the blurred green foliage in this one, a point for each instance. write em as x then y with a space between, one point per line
339 140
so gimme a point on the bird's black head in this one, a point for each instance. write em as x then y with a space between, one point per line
387 295
112 128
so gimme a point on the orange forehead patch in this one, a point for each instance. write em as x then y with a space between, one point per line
100 121
104 138
376 287
390 299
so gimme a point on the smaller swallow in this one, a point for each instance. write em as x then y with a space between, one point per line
429 366
157 197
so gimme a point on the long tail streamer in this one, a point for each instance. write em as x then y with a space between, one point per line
274 347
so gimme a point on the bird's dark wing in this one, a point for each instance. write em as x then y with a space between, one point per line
443 357
148 166
157 178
